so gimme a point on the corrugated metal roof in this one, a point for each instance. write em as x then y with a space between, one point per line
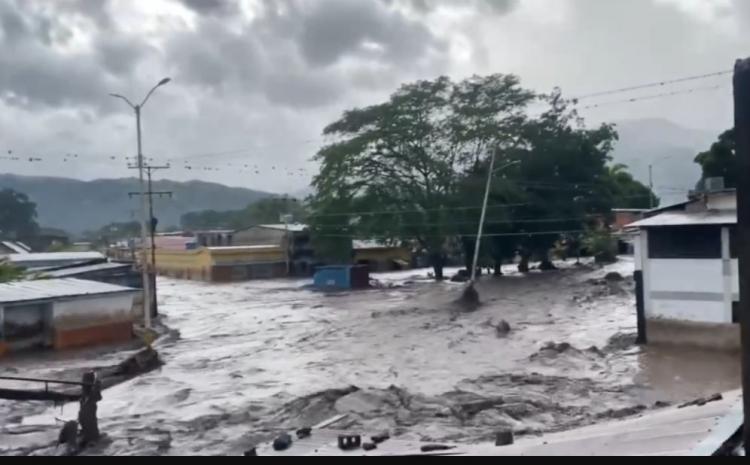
45 289
15 247
73 271
55 256
681 218
293 227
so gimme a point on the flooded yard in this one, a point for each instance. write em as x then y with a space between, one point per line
253 358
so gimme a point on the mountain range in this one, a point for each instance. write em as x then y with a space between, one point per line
76 206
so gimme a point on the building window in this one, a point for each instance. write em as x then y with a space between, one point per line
734 245
697 242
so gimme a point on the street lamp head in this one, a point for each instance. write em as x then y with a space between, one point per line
164 81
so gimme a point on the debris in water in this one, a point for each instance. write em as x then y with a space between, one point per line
380 438
368 446
504 438
502 329
304 433
282 442
436 448
613 276
703 401
350 442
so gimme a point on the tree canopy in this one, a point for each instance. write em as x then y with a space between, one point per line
720 160
17 215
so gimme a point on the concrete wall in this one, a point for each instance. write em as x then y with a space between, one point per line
260 236
93 320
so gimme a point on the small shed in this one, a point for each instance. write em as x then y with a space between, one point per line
342 277
64 313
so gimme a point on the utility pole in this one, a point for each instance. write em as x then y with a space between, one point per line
651 186
149 196
742 128
144 230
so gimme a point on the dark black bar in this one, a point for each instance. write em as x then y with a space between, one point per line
640 308
20 394
742 129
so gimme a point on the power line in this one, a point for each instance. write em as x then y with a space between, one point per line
654 84
424 210
654 96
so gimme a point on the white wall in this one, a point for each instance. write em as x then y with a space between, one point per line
691 290
87 311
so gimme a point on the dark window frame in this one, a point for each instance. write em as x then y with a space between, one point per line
701 242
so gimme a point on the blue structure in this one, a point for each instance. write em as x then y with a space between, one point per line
341 277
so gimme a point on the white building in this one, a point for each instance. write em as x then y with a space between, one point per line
687 273
64 313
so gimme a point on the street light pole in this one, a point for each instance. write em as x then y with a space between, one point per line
484 214
147 299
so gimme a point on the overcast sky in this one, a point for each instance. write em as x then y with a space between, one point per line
257 80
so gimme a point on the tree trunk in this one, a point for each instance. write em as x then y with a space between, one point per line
547 265
438 262
498 268
523 266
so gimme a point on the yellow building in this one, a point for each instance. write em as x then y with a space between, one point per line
381 257
222 264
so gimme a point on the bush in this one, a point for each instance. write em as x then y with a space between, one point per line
602 245
10 273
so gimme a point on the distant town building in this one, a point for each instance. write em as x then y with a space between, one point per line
222 264
380 256
48 260
294 239
687 271
64 313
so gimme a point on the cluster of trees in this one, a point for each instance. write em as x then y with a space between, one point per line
266 211
413 170
17 216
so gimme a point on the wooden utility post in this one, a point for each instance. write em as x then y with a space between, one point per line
742 128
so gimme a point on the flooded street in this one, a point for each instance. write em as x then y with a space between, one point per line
253 358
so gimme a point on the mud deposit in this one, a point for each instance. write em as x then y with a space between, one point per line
256 358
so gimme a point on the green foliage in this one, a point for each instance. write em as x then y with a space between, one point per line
601 245
10 273
629 193
266 211
721 159
414 170
405 158
17 215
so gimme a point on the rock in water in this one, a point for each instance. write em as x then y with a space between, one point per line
502 329
283 442
613 277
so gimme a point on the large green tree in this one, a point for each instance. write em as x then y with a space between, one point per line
17 215
627 192
720 160
403 161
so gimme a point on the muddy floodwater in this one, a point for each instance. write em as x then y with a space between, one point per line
247 360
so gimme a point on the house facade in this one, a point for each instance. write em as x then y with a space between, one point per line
687 273
63 314
294 239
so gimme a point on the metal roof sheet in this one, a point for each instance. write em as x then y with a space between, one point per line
681 218
76 270
15 247
55 256
292 227
45 289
